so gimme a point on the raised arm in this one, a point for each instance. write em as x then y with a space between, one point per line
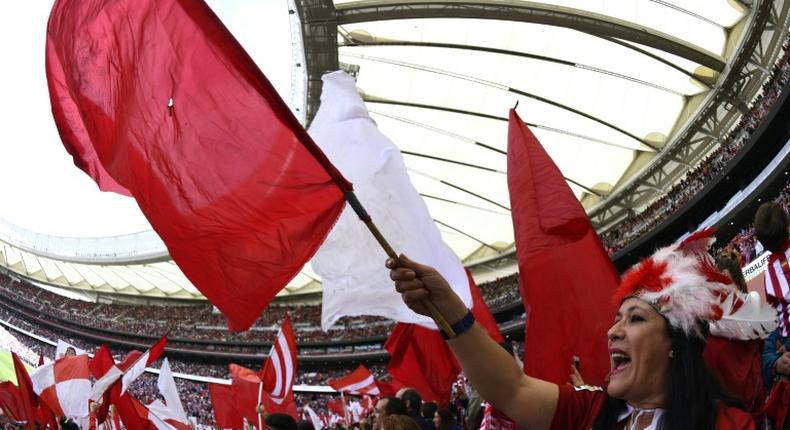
492 371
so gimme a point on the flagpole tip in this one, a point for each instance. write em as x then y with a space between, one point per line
516 106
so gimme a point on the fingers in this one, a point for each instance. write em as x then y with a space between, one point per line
414 297
402 274
420 269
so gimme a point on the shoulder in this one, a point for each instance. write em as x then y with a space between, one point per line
732 418
577 407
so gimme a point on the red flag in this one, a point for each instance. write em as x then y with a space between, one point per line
286 406
100 366
337 406
45 417
226 412
157 100
482 313
420 358
101 362
11 401
249 390
133 366
567 280
27 397
126 409
389 389
358 382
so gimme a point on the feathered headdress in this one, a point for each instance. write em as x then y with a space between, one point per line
681 282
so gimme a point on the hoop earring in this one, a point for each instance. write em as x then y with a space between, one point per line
671 353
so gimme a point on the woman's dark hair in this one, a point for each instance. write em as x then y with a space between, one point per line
280 422
692 390
771 226
448 419
428 409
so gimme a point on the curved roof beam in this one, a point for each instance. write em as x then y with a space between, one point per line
449 161
527 11
647 53
461 163
503 88
466 234
688 12
459 188
374 99
357 43
466 205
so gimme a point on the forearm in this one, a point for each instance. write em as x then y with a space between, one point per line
494 374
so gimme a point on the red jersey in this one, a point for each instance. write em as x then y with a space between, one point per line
777 288
577 409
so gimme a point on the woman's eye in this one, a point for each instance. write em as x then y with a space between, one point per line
636 318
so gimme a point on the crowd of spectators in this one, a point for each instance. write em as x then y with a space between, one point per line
199 322
194 394
635 225
501 291
745 241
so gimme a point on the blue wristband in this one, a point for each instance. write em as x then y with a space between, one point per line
461 326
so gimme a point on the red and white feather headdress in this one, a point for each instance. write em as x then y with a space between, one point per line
681 282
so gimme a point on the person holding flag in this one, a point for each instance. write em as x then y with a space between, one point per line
658 378
655 355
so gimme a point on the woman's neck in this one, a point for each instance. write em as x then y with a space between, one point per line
648 403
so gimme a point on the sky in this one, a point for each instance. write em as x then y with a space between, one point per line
42 190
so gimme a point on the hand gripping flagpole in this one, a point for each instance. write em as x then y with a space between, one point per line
363 215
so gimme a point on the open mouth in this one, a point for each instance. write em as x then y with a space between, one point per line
620 360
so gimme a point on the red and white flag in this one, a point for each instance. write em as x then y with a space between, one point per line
130 374
157 416
314 418
358 382
64 386
138 368
165 418
169 391
279 371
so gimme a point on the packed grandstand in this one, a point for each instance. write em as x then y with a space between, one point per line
50 297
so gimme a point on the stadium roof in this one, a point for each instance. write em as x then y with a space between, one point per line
605 84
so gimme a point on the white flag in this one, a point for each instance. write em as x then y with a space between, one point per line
350 262
314 418
167 386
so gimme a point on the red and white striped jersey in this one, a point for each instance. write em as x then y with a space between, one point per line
777 286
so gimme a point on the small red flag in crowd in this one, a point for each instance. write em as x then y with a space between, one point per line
420 358
358 382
